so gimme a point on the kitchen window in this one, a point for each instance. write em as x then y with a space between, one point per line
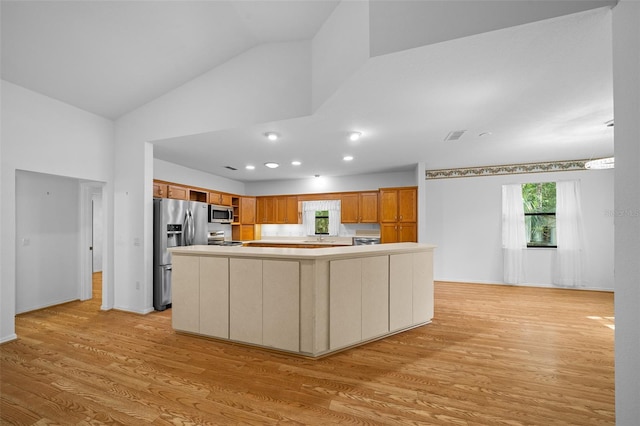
540 213
322 222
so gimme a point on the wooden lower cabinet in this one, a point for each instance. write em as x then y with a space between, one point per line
402 232
245 232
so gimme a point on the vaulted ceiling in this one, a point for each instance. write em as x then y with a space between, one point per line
526 81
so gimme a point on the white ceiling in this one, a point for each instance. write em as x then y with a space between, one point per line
542 90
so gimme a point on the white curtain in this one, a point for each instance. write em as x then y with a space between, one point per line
570 253
514 240
309 215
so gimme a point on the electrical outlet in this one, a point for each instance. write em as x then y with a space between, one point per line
137 285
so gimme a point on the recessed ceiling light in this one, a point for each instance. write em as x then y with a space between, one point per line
485 134
609 123
272 136
354 136
347 158
249 167
272 165
295 163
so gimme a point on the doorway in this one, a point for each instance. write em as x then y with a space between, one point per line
96 245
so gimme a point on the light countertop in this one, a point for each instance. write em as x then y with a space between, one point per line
303 253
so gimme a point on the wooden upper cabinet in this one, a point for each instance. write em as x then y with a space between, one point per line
177 192
219 199
277 210
398 215
368 206
247 210
398 205
286 209
388 205
349 211
359 207
407 205
159 190
265 210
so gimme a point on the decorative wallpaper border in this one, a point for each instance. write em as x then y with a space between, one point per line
510 169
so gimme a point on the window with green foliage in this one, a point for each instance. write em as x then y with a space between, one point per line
322 222
540 213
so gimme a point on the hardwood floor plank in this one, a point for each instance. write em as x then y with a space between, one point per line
497 355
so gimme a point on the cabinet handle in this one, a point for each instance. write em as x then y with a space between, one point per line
400 217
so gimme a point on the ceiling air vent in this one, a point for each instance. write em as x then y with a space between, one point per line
230 168
454 135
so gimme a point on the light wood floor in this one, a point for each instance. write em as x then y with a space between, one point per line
494 355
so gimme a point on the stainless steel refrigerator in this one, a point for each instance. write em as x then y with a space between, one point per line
175 223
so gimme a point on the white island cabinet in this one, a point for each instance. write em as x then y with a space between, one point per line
311 302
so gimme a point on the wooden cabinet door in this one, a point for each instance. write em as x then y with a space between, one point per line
214 198
281 304
243 232
407 205
247 210
279 210
388 233
177 192
225 199
349 209
219 199
159 190
368 207
388 205
407 232
292 210
261 211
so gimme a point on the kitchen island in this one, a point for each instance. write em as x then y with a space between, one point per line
310 302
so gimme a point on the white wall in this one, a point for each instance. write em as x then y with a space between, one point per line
332 184
464 219
171 172
626 95
48 236
44 135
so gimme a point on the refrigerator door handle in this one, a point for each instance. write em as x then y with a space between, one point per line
189 228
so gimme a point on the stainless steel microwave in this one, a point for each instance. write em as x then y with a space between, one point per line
220 214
